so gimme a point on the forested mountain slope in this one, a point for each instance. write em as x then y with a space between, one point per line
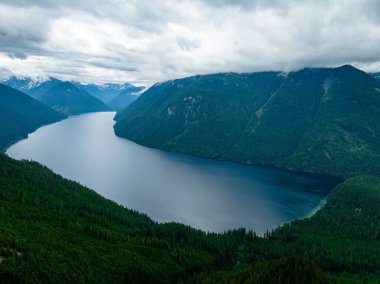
56 231
68 99
20 115
318 120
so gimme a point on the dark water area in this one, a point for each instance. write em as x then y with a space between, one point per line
206 194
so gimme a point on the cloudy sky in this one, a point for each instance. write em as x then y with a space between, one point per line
144 41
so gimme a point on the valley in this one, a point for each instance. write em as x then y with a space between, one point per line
256 222
189 142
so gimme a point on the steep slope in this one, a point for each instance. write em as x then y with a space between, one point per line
195 108
68 99
125 98
319 120
56 231
105 92
20 115
53 230
44 86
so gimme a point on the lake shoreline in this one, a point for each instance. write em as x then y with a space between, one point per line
303 188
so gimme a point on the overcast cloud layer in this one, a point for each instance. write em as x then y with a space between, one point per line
144 41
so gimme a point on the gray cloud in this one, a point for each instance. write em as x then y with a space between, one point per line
144 41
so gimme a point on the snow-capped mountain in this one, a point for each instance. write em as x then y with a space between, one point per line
105 92
31 86
22 84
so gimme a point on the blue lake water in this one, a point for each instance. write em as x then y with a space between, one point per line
206 194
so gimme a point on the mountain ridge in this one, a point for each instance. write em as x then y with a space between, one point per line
316 119
104 92
64 97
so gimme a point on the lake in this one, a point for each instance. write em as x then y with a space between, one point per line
206 194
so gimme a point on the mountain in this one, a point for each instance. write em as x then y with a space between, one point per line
125 98
44 86
106 92
30 86
57 231
53 230
322 120
117 96
65 98
20 114
22 84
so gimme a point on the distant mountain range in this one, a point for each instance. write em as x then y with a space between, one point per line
20 114
125 98
319 120
107 92
73 97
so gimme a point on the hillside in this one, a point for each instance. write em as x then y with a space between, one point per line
57 231
317 120
20 115
125 98
68 99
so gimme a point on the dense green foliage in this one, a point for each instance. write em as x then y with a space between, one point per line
65 98
20 115
342 238
279 271
316 120
55 230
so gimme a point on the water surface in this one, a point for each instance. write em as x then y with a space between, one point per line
206 194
